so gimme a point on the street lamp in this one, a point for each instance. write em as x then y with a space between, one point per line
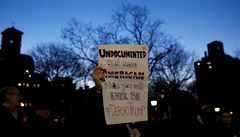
153 103
217 109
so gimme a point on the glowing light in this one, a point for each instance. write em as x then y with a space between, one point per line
56 120
217 109
22 104
162 96
153 102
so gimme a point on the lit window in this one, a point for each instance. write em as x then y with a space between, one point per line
56 120
22 104
209 63
11 41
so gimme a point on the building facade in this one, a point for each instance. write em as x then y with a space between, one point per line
217 78
17 70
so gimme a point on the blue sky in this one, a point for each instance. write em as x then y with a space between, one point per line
194 22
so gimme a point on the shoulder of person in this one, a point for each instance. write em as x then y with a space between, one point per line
3 109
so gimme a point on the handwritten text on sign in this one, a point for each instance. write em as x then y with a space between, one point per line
125 92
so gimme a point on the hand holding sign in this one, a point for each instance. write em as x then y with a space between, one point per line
98 77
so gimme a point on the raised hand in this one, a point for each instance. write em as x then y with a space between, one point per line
98 76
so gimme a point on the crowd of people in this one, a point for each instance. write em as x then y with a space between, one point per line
180 115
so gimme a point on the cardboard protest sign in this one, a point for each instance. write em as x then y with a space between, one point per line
125 91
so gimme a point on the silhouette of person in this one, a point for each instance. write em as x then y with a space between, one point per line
183 110
86 115
11 119
42 123
224 127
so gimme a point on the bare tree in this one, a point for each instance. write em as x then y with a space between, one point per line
176 69
237 52
131 24
57 60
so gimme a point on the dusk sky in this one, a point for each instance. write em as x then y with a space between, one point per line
194 22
